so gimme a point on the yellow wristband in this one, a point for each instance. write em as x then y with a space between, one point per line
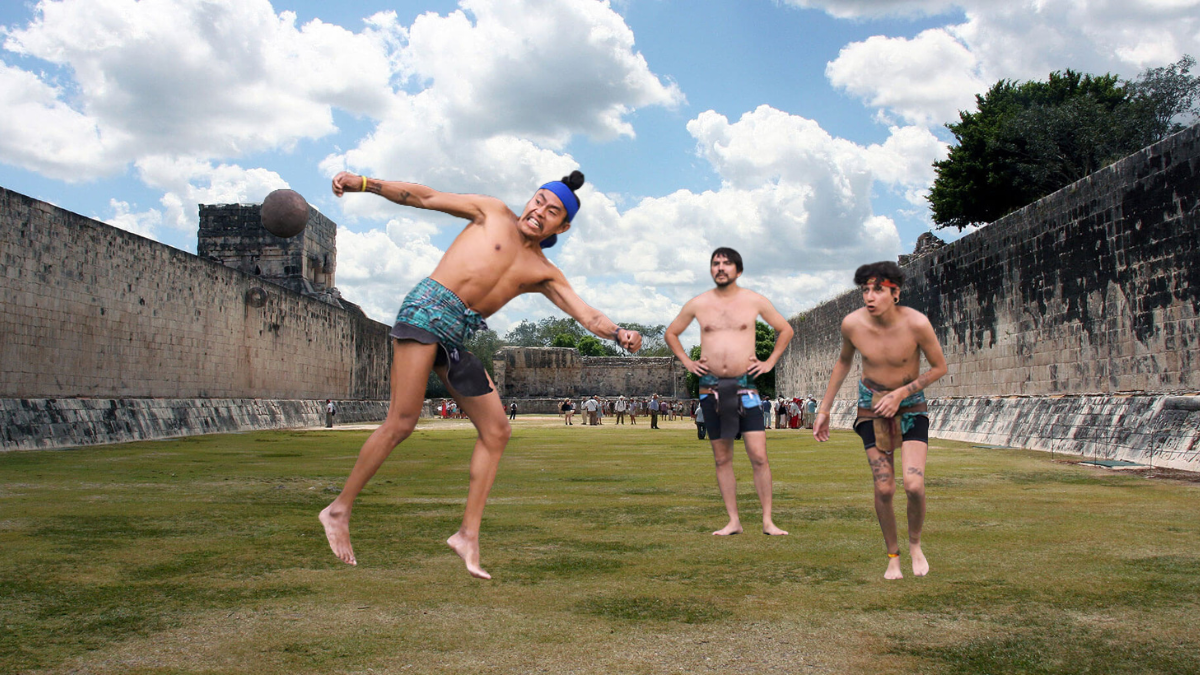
364 185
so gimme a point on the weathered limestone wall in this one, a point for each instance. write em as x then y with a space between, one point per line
1158 430
1092 290
91 310
547 372
32 424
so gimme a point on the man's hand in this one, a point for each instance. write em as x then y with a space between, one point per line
630 340
697 368
759 367
346 182
821 427
888 405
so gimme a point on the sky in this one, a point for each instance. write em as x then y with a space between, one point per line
800 132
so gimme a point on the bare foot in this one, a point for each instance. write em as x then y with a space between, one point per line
468 549
893 569
734 527
920 564
773 530
337 531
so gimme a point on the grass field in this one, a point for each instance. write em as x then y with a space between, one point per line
204 555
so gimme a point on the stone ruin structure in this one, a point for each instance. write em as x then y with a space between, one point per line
551 374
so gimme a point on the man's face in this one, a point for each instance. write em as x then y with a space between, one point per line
544 215
724 272
879 298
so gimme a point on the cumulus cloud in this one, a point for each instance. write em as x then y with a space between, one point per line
376 268
188 77
505 84
794 201
927 79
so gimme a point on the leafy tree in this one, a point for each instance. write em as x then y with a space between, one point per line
764 344
484 344
1026 140
693 382
565 340
653 341
589 345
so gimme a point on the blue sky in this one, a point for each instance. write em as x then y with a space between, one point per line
800 132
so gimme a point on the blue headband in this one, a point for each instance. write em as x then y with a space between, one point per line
569 201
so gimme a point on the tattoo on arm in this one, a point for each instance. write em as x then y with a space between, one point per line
917 385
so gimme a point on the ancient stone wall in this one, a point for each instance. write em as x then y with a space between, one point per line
1094 289
548 372
88 310
1088 295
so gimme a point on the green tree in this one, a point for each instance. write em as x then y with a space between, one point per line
565 340
764 344
653 342
484 344
1026 140
589 345
693 382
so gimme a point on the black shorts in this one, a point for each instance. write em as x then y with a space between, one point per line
919 431
750 420
464 371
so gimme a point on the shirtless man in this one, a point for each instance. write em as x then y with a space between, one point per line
496 257
728 397
891 404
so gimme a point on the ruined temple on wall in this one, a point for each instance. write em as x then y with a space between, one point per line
550 372
1068 325
106 335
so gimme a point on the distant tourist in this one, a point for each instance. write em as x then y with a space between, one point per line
512 410
568 409
892 412
620 407
654 411
330 411
699 418
592 406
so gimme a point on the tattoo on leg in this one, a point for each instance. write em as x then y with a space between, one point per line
880 469
914 471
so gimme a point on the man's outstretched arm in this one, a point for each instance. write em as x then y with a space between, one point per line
470 207
559 291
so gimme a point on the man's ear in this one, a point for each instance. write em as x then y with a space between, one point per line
565 226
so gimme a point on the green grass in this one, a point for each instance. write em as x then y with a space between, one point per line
203 555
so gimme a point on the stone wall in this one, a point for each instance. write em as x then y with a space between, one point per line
1092 290
34 424
541 372
91 310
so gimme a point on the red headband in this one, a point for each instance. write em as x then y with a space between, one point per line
886 283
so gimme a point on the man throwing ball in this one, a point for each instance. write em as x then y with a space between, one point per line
891 402
727 368
496 257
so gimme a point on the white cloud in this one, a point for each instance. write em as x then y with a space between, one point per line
927 79
187 77
506 83
375 269
794 201
188 182
145 223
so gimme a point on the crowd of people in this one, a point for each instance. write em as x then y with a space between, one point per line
780 413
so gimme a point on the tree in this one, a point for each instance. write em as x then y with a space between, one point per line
565 340
1027 140
588 345
693 382
653 341
764 344
484 344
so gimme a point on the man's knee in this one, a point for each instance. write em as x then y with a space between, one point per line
398 427
914 487
885 489
496 436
